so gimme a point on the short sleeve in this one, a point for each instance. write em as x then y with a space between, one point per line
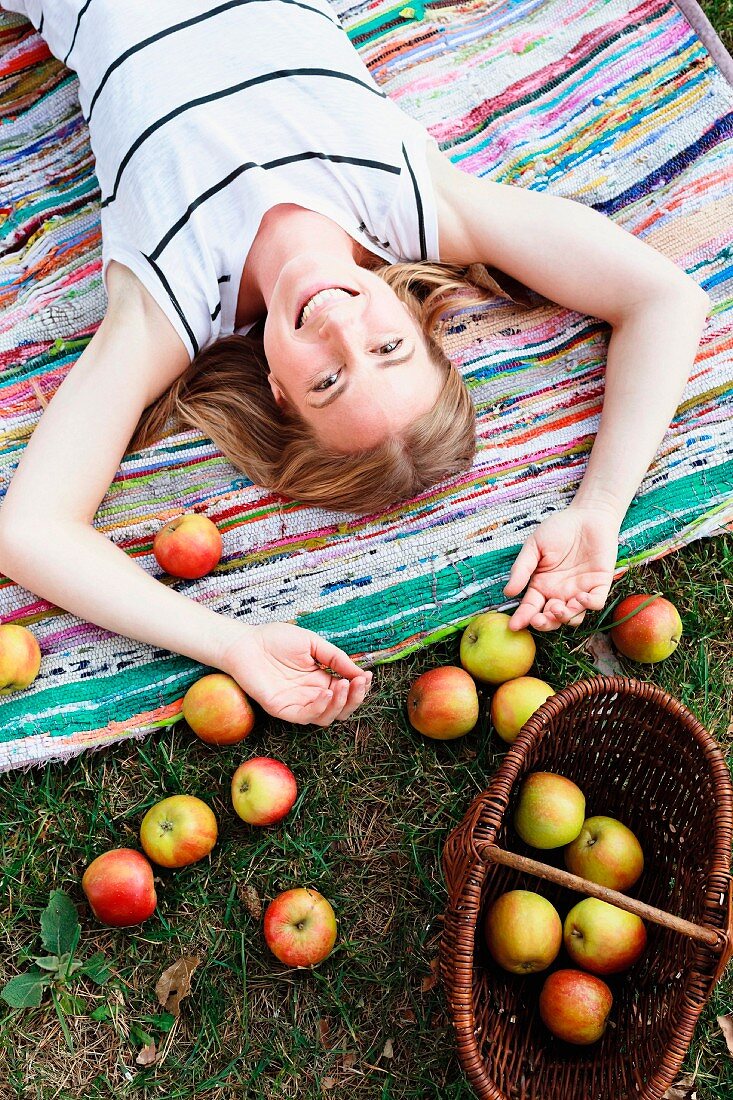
411 226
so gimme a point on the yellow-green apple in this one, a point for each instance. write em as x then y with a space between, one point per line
514 702
263 790
188 546
650 635
300 927
20 658
606 852
550 810
119 887
493 653
603 938
443 703
523 931
217 710
575 1006
178 830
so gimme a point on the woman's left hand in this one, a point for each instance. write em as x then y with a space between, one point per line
567 566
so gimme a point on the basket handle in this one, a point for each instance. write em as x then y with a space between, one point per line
712 937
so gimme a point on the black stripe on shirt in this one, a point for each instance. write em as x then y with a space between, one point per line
189 23
264 78
215 314
76 29
40 25
418 203
309 155
174 301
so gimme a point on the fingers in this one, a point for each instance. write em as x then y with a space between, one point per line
524 566
330 655
344 697
532 603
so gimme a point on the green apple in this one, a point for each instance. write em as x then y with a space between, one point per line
493 653
603 938
575 1006
514 702
523 931
550 810
606 852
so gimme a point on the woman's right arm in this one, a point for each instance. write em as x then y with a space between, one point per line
48 543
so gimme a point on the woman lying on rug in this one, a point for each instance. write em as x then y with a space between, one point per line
279 242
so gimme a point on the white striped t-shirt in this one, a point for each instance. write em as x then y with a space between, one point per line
203 115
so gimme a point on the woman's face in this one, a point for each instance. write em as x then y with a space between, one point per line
357 369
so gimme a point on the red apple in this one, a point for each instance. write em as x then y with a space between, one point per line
493 653
550 810
119 887
189 546
300 927
575 1006
178 830
603 938
606 852
514 702
443 703
651 634
217 710
263 790
523 931
20 658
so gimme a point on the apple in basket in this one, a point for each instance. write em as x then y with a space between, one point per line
493 653
119 887
443 703
603 938
20 658
607 852
550 810
300 927
263 790
188 546
217 710
514 702
523 931
575 1006
178 830
651 633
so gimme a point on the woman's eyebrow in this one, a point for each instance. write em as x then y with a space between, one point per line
337 391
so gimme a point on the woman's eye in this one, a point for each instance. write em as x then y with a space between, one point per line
393 344
327 382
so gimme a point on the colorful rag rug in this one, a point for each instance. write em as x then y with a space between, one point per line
626 107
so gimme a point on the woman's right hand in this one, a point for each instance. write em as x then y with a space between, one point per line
286 669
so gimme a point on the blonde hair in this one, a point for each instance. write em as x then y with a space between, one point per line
225 395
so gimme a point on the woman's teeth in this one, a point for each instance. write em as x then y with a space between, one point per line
314 302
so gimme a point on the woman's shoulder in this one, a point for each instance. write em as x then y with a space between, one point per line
446 180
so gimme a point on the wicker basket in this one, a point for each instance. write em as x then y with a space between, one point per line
640 756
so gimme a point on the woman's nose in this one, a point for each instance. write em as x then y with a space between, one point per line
338 318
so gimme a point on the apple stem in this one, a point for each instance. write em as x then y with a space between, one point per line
712 937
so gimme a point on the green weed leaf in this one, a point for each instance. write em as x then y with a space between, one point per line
26 990
47 962
96 968
59 924
100 1014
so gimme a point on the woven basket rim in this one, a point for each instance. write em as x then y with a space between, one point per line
505 778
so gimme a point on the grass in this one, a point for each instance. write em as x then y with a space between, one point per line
376 804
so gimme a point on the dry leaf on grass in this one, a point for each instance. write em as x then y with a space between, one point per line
251 901
388 1051
323 1030
602 656
148 1055
328 1083
175 983
431 979
348 1061
684 1089
725 1024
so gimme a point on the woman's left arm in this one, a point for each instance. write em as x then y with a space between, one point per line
579 258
